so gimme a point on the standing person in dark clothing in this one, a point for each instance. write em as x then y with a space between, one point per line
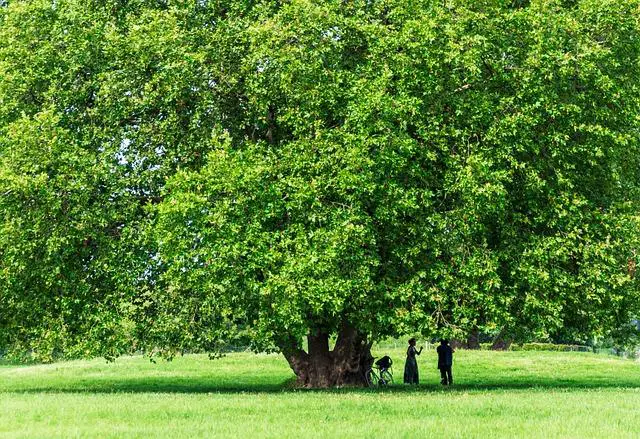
445 361
411 366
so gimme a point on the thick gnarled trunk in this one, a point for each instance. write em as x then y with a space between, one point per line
321 367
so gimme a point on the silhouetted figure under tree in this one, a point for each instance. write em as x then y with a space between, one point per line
445 361
411 365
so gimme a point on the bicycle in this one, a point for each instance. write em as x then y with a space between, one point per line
375 376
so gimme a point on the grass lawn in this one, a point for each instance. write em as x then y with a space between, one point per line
508 394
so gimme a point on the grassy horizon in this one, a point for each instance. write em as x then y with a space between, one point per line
497 394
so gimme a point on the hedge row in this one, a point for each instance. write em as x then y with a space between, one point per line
544 347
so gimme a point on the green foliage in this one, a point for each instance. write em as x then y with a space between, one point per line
419 169
176 174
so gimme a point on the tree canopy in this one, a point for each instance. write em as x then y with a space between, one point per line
175 174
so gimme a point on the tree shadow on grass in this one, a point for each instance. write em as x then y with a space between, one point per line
178 385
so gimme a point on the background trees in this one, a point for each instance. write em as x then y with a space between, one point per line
174 174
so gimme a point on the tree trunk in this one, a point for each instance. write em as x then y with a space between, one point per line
321 368
473 341
501 342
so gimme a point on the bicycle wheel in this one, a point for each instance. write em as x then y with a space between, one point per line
386 377
371 378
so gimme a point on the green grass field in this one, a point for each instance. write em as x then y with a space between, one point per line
509 394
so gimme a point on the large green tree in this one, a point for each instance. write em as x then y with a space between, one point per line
175 174
99 103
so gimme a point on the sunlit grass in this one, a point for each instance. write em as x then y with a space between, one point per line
510 394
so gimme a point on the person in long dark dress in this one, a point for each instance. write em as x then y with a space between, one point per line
445 361
411 365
